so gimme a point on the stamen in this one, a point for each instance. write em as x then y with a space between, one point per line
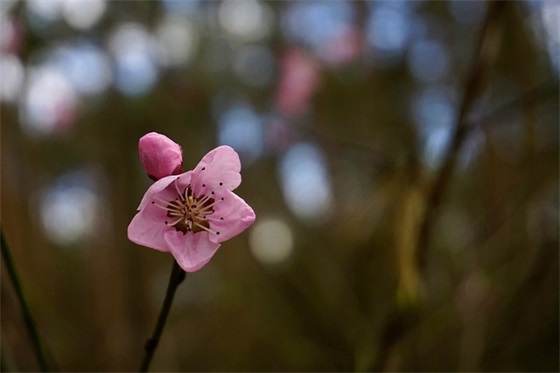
204 199
206 209
173 214
203 227
176 221
177 188
175 203
188 211
212 218
161 203
164 207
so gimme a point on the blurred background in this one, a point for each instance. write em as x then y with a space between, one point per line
401 157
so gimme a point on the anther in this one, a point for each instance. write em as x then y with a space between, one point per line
221 183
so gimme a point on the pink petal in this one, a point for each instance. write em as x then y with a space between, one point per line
148 228
161 190
232 215
191 251
218 169
160 156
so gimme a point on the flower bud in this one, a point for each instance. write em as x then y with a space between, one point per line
160 156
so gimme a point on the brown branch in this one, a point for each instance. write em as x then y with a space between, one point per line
538 94
405 319
483 57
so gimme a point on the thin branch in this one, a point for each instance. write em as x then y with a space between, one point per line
402 320
177 276
472 86
28 319
540 93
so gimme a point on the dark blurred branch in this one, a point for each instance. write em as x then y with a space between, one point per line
177 276
483 58
29 322
538 94
543 275
402 319
405 320
518 198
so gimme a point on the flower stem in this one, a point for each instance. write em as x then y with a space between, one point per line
28 319
177 276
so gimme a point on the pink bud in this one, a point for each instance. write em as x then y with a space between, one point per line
160 156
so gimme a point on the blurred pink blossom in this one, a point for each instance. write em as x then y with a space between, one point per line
12 35
191 214
299 77
160 156
344 48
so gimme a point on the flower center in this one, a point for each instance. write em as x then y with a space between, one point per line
188 213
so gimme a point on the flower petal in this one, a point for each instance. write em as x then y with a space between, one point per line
148 227
159 188
218 169
191 251
232 215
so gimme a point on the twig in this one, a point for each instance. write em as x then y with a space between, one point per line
177 276
28 319
540 93
473 83
402 319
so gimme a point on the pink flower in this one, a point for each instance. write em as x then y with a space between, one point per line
191 214
160 156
